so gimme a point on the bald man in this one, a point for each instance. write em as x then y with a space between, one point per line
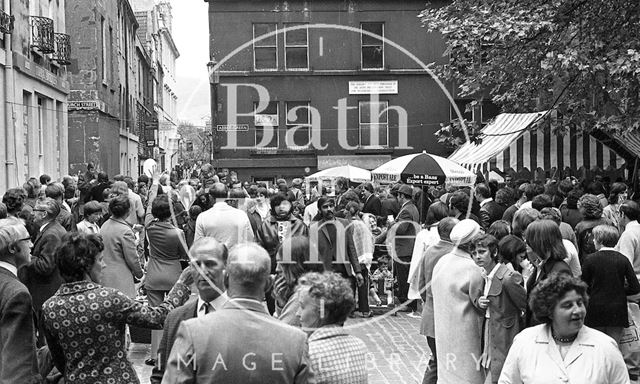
241 343
223 222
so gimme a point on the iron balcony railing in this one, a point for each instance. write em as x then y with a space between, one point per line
63 49
6 22
42 34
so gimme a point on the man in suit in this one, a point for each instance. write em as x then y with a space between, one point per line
223 222
372 203
18 361
41 274
390 205
490 211
210 257
401 239
240 343
332 238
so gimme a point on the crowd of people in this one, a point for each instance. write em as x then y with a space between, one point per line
519 282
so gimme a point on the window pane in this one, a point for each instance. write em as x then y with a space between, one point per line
263 29
260 132
375 28
301 114
297 37
365 113
271 109
369 111
265 58
300 138
372 57
369 131
297 57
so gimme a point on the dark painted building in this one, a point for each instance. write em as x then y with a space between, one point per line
103 78
328 75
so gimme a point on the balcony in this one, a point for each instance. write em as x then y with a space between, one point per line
63 48
6 22
42 36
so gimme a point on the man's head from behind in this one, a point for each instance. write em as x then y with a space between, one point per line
15 243
248 271
219 191
210 257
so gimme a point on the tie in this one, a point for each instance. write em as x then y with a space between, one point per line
207 308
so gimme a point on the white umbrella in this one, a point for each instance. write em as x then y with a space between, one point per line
423 169
355 174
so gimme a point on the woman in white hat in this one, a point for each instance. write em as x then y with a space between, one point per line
458 324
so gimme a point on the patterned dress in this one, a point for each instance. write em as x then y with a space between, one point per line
337 357
85 329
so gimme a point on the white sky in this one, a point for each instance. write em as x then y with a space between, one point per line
191 34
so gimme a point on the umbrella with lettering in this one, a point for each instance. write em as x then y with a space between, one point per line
423 169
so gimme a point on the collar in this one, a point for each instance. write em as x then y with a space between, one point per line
493 271
485 201
244 303
327 331
220 204
575 350
217 303
44 225
607 249
76 287
9 267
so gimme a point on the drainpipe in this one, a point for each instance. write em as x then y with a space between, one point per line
9 91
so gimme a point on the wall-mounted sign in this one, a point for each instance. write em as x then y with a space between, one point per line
373 87
266 120
233 127
88 104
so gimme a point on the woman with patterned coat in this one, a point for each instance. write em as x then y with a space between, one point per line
85 322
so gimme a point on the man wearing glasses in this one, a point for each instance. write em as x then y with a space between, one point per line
18 362
41 275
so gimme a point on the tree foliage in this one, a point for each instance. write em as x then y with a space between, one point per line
578 57
199 144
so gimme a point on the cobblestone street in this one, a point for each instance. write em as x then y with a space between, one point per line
398 354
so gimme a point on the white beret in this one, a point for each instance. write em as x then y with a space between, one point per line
464 231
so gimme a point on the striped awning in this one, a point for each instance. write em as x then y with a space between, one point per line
629 140
511 141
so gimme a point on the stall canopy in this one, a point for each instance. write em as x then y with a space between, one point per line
512 141
355 174
423 169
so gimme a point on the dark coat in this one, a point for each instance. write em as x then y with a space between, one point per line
170 329
606 272
269 239
507 303
551 266
41 275
405 230
18 362
490 213
373 205
329 238
390 206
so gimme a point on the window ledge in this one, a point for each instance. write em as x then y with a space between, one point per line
374 150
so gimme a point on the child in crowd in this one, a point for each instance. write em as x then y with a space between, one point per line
92 215
382 283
